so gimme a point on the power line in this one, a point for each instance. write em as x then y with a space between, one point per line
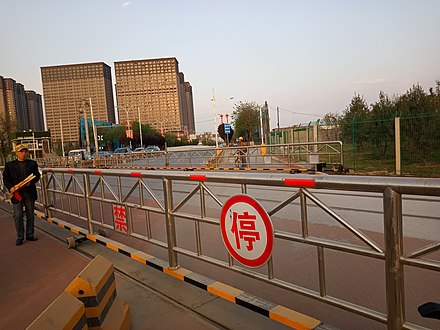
203 121
299 113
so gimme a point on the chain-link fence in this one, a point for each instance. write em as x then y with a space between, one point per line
373 146
370 146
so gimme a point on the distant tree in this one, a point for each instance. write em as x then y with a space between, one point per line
150 136
416 109
171 140
372 128
354 126
332 122
245 119
382 126
6 129
112 134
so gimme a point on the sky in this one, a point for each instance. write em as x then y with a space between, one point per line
306 58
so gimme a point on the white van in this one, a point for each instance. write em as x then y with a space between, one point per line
79 154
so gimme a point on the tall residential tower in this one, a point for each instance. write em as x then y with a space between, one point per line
155 91
14 105
35 107
67 90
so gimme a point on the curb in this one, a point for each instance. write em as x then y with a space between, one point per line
288 170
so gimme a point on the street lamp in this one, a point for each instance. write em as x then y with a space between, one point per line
215 115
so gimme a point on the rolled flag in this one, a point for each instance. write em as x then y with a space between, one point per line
16 195
19 185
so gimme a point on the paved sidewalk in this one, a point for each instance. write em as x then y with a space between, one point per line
34 274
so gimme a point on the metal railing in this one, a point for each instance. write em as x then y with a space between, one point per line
259 156
161 208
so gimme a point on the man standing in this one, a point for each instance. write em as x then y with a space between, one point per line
15 172
241 152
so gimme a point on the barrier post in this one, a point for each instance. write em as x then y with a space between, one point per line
170 223
88 206
47 211
392 206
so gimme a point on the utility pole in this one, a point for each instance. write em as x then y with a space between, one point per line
278 118
261 125
95 135
62 138
86 126
140 126
267 121
215 119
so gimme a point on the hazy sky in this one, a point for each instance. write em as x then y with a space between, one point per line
305 57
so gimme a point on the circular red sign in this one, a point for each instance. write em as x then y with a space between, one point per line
247 230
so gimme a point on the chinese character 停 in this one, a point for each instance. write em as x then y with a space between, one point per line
243 227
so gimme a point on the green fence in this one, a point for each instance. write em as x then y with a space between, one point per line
373 146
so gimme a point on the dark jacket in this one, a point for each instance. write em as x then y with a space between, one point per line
12 175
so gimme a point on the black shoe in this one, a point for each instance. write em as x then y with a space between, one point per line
31 238
19 242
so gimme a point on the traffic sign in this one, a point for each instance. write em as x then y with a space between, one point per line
247 230
227 128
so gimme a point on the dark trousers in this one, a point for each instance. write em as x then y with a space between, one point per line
17 212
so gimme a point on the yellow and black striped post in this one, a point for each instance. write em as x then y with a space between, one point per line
95 287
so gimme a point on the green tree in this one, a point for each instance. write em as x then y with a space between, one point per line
354 127
112 134
416 110
245 119
6 129
382 126
332 121
150 136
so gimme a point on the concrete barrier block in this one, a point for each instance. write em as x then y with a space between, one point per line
95 287
118 317
65 312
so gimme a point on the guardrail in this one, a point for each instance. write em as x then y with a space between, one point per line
180 212
262 156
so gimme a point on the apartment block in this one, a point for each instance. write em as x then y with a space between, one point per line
35 110
187 105
13 104
74 91
155 91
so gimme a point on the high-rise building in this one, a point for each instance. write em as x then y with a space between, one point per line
68 90
155 91
13 105
35 107
187 105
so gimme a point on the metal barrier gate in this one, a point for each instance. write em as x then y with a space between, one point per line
261 156
179 212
